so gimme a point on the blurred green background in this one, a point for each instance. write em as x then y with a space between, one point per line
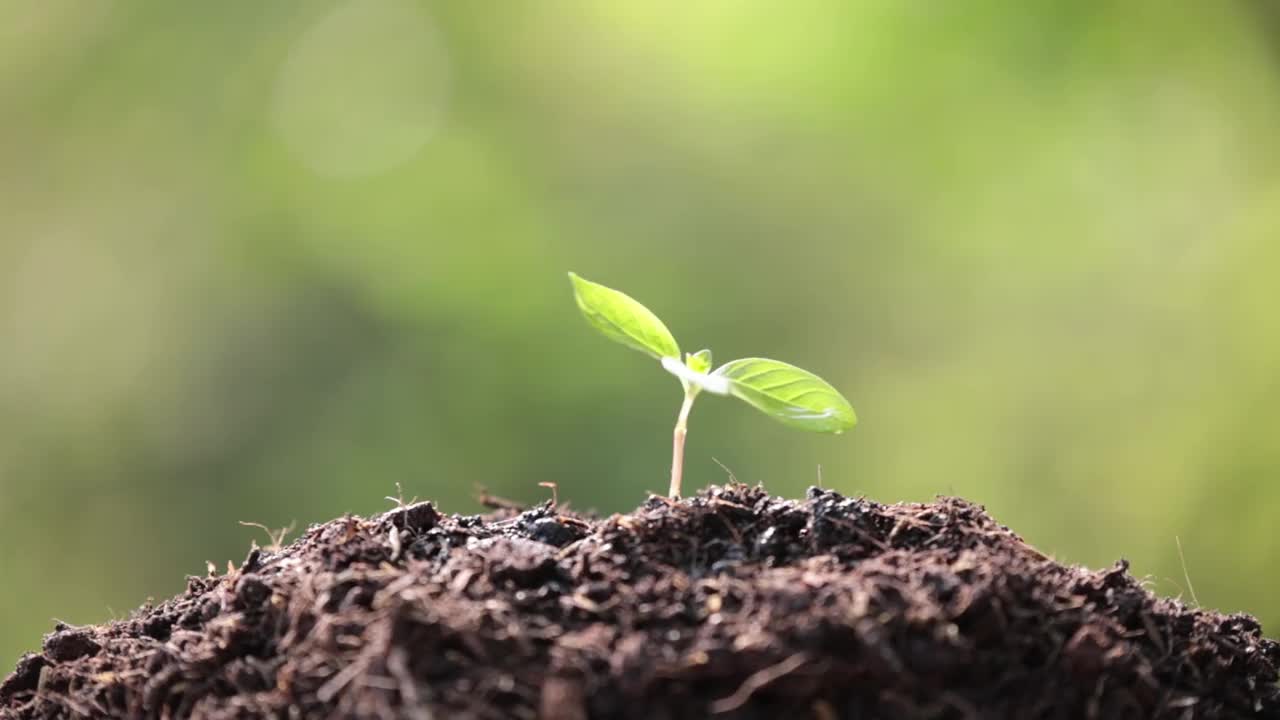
261 261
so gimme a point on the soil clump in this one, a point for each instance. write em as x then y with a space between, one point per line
730 604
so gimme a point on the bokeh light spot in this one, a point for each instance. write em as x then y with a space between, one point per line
363 88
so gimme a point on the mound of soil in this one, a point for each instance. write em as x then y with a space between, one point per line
731 604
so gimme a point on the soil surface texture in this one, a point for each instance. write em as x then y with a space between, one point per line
731 604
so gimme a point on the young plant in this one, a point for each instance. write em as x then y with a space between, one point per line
784 392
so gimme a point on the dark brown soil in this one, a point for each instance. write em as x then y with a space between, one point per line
732 604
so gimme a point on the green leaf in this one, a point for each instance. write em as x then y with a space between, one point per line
793 396
622 319
699 362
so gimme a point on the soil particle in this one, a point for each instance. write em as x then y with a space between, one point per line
67 644
730 604
25 678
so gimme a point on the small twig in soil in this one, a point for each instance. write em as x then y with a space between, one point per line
399 498
276 536
393 536
1186 574
350 529
555 492
341 679
732 477
719 502
758 681
398 666
733 531
860 533
493 502
1153 632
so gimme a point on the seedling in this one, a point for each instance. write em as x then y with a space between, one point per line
784 392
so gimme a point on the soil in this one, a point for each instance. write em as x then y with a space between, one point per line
730 604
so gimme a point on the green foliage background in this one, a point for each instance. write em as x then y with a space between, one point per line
261 261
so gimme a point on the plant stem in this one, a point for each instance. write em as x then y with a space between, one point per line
677 443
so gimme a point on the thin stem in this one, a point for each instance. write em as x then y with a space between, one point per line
677 443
